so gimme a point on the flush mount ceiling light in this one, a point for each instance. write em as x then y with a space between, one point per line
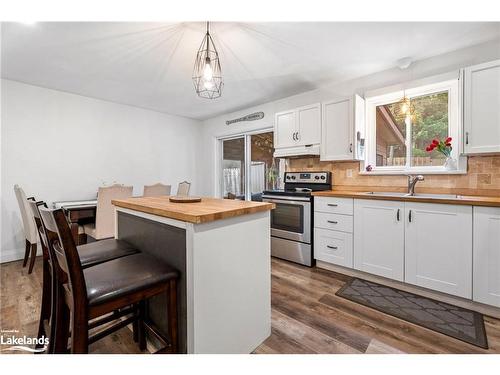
207 75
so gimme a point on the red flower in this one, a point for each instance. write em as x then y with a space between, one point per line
435 142
428 149
448 140
448 144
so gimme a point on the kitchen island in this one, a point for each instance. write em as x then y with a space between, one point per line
222 250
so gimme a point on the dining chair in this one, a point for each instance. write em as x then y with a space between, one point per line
183 188
88 296
29 228
156 190
90 255
104 226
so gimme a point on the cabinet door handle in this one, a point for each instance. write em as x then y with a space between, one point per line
332 222
350 148
397 214
466 138
332 247
332 204
298 136
293 136
409 216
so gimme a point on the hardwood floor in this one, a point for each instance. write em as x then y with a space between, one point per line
307 317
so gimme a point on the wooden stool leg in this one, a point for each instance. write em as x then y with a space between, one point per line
26 253
33 257
79 331
59 323
172 315
141 325
135 324
46 305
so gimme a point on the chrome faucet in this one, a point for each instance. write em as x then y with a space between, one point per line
412 181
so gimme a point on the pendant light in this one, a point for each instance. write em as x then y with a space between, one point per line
207 75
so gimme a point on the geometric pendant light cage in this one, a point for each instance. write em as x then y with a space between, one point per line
207 74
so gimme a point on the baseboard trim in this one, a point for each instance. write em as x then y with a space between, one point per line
12 255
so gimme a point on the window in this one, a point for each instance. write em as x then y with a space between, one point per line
397 137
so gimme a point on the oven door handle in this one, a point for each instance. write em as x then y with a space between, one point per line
272 199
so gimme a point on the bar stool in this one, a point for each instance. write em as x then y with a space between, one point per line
90 255
86 297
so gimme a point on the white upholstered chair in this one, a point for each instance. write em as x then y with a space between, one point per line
156 190
29 227
183 188
104 226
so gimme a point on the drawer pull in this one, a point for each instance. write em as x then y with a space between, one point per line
332 205
332 247
332 222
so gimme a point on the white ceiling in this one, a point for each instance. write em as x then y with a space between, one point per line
150 64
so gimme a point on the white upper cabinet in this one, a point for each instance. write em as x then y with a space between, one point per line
284 129
309 125
379 237
487 255
438 247
482 108
298 127
341 120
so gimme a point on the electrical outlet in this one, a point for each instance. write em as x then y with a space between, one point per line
349 173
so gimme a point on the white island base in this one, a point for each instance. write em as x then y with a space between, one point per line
225 286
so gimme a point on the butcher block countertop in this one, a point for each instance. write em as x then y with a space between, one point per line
468 200
209 209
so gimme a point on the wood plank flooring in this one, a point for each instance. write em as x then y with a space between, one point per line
307 317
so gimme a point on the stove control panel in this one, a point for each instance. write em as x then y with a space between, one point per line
308 177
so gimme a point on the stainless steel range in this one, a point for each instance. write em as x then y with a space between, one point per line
292 220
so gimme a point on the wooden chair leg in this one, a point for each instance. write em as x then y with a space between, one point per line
141 325
60 322
33 257
79 332
135 325
46 305
26 253
172 316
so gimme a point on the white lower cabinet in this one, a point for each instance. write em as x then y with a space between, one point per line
487 255
379 237
438 247
333 247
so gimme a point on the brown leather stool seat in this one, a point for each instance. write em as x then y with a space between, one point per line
94 253
120 277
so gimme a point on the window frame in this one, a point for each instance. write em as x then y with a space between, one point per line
452 87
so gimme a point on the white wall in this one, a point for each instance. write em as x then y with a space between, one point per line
216 127
60 146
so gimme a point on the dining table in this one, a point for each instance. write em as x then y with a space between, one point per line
78 212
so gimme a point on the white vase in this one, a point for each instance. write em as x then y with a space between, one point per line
450 164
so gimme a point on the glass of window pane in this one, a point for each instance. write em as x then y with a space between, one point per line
264 168
430 121
391 136
233 168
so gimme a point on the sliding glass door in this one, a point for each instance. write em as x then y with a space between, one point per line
233 168
248 166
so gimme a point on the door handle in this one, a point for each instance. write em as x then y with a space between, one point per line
298 136
397 214
293 136
332 204
350 148
332 222
409 216
332 247
466 138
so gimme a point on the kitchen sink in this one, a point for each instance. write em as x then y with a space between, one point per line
416 195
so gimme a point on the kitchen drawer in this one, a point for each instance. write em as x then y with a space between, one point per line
342 206
332 246
333 221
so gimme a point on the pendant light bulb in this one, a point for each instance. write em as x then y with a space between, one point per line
208 73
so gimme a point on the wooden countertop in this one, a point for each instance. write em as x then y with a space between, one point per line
468 200
209 209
